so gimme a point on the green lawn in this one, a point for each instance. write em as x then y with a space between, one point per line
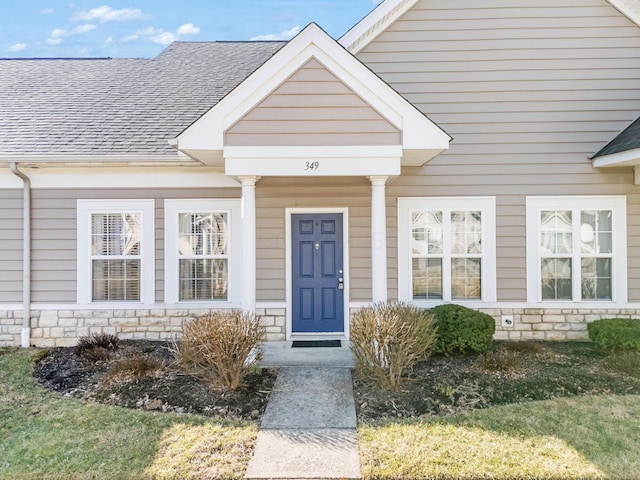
46 436
581 437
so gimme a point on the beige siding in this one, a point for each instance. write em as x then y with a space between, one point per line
10 246
275 195
312 108
55 233
529 91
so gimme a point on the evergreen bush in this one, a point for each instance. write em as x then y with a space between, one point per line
462 330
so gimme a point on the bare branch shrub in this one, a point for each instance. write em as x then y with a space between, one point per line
138 366
389 338
221 347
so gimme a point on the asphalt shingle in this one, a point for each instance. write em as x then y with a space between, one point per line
118 106
628 139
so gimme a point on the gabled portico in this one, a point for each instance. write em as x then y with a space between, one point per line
313 110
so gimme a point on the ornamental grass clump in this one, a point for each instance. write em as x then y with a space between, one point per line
221 347
387 339
96 346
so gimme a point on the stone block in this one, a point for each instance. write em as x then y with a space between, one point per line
44 342
103 313
275 337
48 319
528 318
274 330
268 321
276 312
66 341
124 322
577 336
176 321
579 327
119 313
142 313
515 335
534 311
37 333
553 318
592 318
562 326
3 314
57 332
280 322
96 322
522 326
555 336
542 326
68 322
152 321
83 313
153 336
157 313
575 318
501 335
177 313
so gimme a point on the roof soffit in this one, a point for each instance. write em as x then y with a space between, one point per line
207 133
389 11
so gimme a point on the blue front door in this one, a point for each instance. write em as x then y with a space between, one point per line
317 273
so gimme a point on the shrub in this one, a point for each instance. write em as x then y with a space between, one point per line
615 334
220 347
389 338
96 346
526 346
138 366
501 359
462 330
624 362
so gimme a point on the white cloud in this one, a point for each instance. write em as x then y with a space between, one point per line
107 14
286 35
17 47
53 41
46 11
130 38
83 29
149 31
59 32
188 29
164 38
108 41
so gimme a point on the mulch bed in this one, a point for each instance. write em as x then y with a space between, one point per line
167 389
509 373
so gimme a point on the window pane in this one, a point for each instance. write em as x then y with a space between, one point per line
427 278
556 232
116 280
596 231
465 279
426 230
466 232
204 279
115 234
596 278
556 279
202 234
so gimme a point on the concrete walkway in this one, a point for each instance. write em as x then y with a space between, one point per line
309 427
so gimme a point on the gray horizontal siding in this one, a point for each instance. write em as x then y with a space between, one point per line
55 234
10 246
528 90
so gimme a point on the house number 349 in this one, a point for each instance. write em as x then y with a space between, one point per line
311 166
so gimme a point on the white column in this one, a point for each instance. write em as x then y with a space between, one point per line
248 242
378 239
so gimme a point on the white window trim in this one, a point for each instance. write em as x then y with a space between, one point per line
618 206
487 205
172 208
146 210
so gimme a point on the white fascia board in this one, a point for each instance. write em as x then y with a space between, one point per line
97 160
313 161
374 24
629 158
630 9
419 132
120 177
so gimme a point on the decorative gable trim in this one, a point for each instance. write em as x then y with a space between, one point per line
206 136
389 11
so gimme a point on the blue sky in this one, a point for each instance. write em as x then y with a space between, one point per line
143 28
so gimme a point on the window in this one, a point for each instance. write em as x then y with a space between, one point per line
446 249
115 251
576 248
200 235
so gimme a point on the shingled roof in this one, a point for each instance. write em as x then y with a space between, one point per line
83 107
628 139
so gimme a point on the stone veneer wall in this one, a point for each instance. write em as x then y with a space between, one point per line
59 328
62 328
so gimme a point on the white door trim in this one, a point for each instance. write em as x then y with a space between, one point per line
345 265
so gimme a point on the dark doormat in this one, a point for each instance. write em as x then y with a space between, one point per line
316 343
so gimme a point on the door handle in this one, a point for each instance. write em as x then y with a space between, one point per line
341 283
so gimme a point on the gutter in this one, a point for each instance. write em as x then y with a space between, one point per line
26 255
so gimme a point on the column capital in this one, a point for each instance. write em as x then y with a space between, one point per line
248 180
378 180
